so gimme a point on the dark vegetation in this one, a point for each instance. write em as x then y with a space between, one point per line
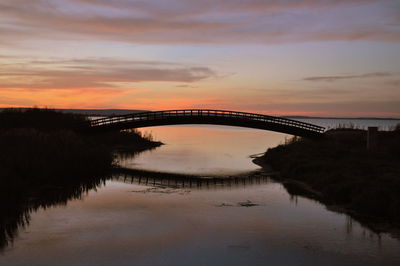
40 144
45 158
344 174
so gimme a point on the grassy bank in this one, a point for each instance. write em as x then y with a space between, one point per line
339 171
40 144
46 160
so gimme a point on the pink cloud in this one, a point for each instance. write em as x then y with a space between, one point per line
200 22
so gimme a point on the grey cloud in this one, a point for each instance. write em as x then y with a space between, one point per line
190 7
96 73
395 83
343 77
185 86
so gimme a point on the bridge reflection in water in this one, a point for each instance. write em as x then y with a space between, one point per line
172 180
15 212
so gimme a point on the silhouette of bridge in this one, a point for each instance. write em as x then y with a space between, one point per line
176 180
206 116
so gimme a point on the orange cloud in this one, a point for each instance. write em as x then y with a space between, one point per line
61 98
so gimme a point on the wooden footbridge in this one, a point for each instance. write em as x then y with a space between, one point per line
206 116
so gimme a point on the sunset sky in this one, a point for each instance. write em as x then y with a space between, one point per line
321 58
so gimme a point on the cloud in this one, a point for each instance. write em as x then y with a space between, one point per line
343 77
199 22
94 73
62 98
329 108
185 86
394 83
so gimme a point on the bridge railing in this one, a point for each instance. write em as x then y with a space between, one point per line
146 116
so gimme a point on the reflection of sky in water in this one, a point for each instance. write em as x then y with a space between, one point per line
120 225
204 149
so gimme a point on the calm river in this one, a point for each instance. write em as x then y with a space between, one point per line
134 220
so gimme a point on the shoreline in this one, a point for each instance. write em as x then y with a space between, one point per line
302 189
302 174
44 161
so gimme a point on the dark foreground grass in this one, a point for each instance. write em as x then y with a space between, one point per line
364 183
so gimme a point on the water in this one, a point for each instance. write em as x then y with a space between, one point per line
166 220
204 149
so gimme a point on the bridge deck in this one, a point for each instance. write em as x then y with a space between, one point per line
206 116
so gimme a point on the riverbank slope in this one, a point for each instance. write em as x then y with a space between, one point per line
339 171
42 144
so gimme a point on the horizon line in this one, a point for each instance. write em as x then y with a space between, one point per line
140 110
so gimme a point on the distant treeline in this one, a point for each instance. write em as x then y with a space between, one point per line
90 112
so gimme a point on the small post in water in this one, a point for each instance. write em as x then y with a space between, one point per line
371 137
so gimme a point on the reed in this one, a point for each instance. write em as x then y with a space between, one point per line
339 166
45 161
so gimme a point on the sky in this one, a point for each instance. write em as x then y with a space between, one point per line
288 57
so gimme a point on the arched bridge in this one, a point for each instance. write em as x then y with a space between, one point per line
205 116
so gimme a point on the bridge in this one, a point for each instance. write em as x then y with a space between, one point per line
206 116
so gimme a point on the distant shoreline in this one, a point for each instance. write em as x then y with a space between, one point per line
109 112
342 118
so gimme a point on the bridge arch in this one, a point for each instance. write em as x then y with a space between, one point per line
206 116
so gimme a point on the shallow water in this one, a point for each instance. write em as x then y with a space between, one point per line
134 220
204 150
